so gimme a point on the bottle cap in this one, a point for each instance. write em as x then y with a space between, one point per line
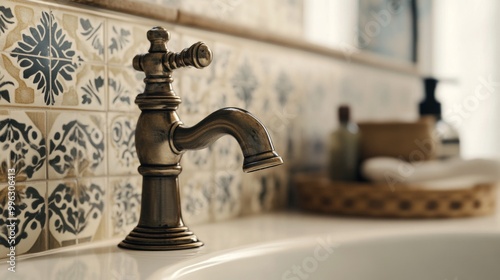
344 113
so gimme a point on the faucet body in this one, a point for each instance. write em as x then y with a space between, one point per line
161 140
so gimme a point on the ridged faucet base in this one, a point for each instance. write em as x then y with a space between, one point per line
158 239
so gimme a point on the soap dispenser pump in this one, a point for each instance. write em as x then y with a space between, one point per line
449 143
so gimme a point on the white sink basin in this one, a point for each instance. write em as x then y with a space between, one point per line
291 246
444 256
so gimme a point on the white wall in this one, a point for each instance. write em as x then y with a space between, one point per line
466 49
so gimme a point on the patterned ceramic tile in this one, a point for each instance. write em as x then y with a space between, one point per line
17 18
125 203
91 197
22 134
227 154
124 41
87 32
44 59
90 87
31 55
201 160
124 84
196 84
76 145
29 212
245 81
83 89
197 190
63 213
196 160
121 153
227 194
8 21
260 191
75 210
224 66
8 84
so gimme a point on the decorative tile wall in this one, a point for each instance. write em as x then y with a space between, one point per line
67 120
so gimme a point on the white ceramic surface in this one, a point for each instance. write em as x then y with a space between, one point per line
292 246
414 257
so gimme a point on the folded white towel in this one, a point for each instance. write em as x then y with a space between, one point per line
436 174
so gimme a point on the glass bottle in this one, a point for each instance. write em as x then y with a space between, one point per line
344 148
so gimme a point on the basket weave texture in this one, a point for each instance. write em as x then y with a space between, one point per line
319 194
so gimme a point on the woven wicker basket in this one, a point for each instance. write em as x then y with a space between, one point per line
319 194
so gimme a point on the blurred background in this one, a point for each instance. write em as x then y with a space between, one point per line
456 42
68 118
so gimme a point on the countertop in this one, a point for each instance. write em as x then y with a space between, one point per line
104 260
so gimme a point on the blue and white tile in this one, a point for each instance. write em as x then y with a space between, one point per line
8 21
33 79
122 155
124 41
92 209
196 84
196 160
62 199
76 209
31 53
87 32
125 203
227 154
197 192
224 65
30 212
77 144
259 192
227 194
85 90
8 84
246 80
46 58
124 84
91 87
24 143
18 18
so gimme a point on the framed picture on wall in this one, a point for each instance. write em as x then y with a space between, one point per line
389 28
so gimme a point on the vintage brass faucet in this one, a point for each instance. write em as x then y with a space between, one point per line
161 139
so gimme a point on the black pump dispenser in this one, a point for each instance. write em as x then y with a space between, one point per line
430 105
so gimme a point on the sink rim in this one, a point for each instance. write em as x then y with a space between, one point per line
186 267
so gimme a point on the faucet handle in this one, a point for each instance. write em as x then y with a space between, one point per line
160 60
198 56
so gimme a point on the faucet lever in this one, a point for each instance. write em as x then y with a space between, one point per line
160 61
198 55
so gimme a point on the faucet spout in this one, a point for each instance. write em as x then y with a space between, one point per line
252 136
